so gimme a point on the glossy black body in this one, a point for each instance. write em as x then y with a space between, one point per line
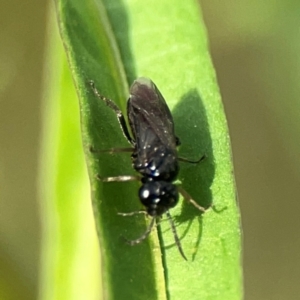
155 155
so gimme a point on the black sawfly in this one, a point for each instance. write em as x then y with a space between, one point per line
154 154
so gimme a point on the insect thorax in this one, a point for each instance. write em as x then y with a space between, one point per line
163 165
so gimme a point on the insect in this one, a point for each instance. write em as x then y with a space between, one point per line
154 154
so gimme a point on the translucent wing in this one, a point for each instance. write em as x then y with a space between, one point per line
150 119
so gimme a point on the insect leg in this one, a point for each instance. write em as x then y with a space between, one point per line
144 236
121 178
133 213
177 240
189 199
111 150
117 111
192 161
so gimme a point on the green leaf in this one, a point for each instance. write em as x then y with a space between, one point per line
70 252
112 43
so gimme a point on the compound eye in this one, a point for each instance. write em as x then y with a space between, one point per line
149 193
144 193
171 197
158 196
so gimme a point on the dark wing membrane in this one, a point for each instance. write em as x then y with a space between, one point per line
150 118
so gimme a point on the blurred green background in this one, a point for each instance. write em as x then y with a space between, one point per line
255 47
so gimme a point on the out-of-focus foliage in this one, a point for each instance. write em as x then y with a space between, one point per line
255 46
